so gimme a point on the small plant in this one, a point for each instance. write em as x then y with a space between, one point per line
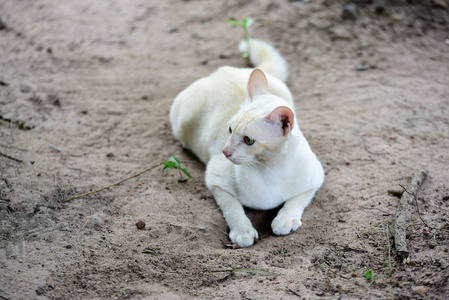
244 24
387 270
174 163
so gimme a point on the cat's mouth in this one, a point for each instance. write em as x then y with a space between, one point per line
235 160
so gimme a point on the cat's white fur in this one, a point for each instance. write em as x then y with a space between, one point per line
241 124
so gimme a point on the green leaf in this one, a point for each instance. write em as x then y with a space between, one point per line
174 163
254 271
369 274
234 22
173 158
247 22
169 165
185 172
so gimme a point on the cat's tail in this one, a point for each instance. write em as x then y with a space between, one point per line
264 56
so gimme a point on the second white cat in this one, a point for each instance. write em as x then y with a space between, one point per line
241 123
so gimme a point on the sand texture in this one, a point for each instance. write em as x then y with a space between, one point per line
85 92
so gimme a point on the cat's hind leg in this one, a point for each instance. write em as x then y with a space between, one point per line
288 218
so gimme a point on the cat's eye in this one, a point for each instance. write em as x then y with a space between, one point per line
230 130
248 141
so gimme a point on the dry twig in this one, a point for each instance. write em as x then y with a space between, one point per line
294 293
400 241
10 157
112 185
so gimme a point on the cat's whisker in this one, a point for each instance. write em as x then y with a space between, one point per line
259 167
223 138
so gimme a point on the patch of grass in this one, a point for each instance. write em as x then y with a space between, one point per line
174 163
388 269
244 24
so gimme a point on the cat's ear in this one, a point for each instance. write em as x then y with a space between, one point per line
257 84
283 116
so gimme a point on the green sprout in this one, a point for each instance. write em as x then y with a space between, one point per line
244 24
369 274
174 163
387 270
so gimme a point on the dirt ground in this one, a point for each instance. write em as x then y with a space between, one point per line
85 91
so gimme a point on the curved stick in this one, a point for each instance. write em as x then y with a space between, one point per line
400 241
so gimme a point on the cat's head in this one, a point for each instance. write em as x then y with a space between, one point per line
260 129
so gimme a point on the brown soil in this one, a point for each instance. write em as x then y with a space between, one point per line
85 91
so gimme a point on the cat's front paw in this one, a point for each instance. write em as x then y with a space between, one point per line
285 223
243 236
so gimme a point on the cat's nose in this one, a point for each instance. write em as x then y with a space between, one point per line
227 154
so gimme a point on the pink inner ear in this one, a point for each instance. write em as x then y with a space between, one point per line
257 83
284 116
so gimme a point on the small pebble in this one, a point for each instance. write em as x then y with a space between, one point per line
396 18
379 6
140 224
420 290
54 99
3 25
362 68
439 3
25 88
40 290
96 219
173 29
349 12
395 193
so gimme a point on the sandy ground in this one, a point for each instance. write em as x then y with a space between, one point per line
85 91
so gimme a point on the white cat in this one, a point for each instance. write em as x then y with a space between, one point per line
241 124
